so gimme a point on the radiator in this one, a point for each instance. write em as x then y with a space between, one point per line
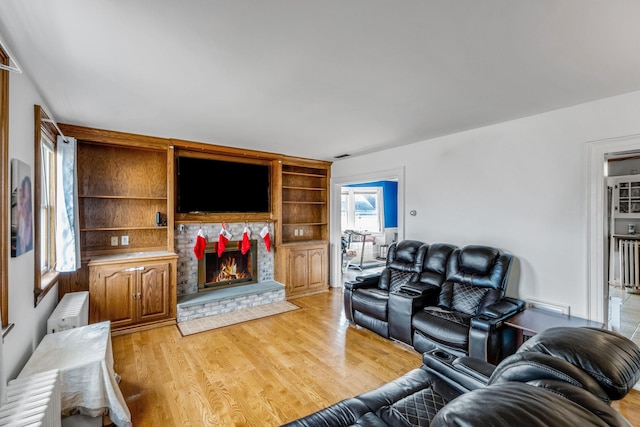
33 401
629 262
71 312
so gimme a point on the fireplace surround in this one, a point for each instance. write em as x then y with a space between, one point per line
231 268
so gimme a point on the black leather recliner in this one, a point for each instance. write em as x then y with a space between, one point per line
561 377
409 298
471 306
366 299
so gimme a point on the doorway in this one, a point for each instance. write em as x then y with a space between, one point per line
337 185
600 228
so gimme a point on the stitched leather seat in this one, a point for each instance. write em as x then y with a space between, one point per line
562 371
475 285
366 300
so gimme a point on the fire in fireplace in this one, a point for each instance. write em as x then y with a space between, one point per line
232 268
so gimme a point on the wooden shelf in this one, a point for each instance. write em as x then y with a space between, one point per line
122 187
317 175
89 196
303 203
304 197
155 227
290 187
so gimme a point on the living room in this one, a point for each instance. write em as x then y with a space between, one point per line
524 183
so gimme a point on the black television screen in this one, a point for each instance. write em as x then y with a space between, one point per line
217 186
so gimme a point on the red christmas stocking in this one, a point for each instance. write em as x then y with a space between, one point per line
201 243
264 233
223 239
246 244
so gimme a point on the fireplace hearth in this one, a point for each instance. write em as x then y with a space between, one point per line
232 268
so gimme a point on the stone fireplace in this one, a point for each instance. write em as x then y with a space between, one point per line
185 238
231 268
194 303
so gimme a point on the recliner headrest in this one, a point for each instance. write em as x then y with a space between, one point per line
531 366
403 252
475 259
520 404
433 260
482 266
611 359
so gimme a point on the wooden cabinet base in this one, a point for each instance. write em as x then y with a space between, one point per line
302 267
308 293
133 291
143 327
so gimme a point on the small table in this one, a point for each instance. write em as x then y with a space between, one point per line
535 320
88 384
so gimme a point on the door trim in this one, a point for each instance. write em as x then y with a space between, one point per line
597 152
335 232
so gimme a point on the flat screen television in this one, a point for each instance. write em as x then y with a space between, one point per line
219 186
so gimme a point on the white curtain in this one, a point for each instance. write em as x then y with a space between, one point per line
67 222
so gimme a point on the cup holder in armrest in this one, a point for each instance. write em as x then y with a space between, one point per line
441 355
408 292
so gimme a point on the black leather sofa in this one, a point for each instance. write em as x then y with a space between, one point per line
560 377
438 296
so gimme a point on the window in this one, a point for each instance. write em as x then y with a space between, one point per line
4 189
361 209
44 200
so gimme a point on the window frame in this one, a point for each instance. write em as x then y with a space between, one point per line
351 192
43 282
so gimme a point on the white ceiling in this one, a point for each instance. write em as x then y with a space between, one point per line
319 78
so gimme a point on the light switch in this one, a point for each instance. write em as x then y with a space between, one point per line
114 241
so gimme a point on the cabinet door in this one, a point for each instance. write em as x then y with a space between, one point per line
317 274
298 271
153 301
117 290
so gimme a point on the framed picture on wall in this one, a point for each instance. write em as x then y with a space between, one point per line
21 208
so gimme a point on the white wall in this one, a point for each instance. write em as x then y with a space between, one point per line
30 323
521 186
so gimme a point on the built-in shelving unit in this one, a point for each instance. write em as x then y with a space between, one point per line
120 192
302 253
304 203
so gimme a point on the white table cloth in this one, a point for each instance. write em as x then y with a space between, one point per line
88 382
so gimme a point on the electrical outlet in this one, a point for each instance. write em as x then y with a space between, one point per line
295 232
301 232
114 241
124 240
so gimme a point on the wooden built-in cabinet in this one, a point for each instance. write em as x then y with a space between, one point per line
301 257
128 263
120 191
124 180
302 268
304 203
133 292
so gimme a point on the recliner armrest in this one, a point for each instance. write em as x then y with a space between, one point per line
418 288
475 368
504 308
464 376
493 315
373 277
369 282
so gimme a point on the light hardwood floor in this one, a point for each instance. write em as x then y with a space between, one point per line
263 372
